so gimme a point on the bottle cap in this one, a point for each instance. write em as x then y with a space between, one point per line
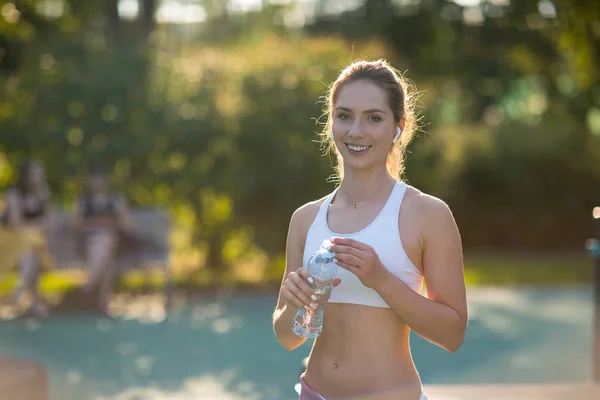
326 244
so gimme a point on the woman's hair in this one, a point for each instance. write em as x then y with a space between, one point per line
23 183
401 97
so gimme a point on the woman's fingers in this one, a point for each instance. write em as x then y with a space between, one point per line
339 248
291 298
303 280
300 288
348 259
346 265
297 290
342 241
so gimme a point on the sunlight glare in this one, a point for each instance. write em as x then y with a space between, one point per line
468 3
473 16
244 6
475 3
176 12
547 9
129 9
52 8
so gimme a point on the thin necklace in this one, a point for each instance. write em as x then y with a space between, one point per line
355 204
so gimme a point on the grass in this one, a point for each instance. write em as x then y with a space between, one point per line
528 269
480 269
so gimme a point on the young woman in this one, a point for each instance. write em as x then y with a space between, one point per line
23 230
388 238
101 217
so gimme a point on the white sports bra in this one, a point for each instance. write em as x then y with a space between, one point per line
383 235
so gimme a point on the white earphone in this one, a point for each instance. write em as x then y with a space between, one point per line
398 132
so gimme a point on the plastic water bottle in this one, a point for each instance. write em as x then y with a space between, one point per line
323 270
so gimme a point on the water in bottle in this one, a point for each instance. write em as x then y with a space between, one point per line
308 323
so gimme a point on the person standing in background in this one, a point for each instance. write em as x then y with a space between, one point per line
24 226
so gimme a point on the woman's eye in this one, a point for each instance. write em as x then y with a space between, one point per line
374 118
343 117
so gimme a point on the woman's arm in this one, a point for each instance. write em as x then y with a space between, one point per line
295 291
285 311
440 318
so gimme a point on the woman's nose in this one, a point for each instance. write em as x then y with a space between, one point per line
355 130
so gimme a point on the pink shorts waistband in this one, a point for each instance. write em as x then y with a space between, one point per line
308 393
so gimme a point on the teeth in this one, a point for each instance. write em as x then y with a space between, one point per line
357 148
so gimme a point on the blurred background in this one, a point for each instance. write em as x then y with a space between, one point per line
206 114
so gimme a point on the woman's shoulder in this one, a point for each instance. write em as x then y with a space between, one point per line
428 214
425 205
304 215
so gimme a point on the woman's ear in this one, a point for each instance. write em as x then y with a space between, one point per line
399 129
398 132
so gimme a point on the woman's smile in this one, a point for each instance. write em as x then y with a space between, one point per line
357 149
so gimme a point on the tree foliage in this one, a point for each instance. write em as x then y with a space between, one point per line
218 121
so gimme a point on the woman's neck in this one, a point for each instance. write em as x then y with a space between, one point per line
357 185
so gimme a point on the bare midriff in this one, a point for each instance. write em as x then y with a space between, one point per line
362 352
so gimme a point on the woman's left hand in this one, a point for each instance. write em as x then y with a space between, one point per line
360 259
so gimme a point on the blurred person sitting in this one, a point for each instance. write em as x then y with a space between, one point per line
101 218
23 228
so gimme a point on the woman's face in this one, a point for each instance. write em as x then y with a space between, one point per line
363 125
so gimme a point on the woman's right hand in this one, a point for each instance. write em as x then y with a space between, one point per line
296 290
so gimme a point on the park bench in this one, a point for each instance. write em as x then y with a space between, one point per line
145 248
